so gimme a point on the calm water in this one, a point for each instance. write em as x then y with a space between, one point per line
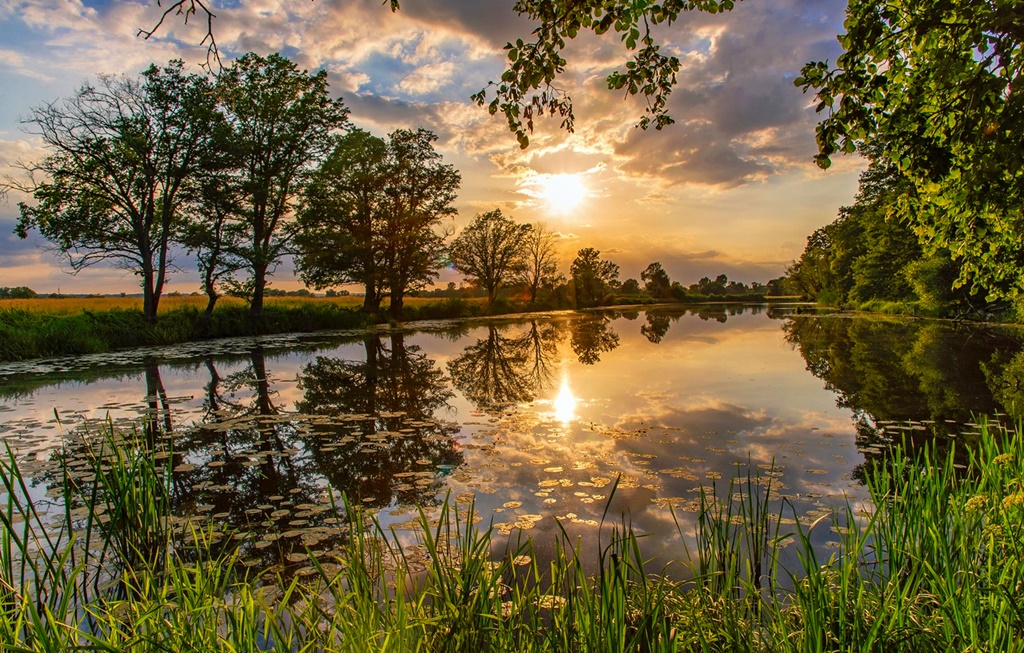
533 419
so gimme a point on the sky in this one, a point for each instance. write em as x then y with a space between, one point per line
731 188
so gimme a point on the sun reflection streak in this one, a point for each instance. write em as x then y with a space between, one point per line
565 402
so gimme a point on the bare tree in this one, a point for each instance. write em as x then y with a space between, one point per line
541 264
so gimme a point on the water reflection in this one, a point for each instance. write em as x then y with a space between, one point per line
503 369
532 419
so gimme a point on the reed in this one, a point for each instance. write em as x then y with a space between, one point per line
937 564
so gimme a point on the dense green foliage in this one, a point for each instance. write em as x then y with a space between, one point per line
931 88
933 564
373 214
868 257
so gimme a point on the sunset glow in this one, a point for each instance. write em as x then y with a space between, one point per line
562 193
565 403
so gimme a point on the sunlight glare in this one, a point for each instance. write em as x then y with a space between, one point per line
565 403
563 193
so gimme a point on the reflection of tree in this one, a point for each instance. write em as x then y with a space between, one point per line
656 327
591 337
366 428
905 381
158 409
900 371
501 370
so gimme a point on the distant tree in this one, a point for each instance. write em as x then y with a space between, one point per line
18 292
281 124
420 194
491 250
656 281
121 153
630 287
541 264
340 226
592 277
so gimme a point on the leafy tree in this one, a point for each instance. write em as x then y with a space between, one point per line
122 153
340 224
419 195
541 264
527 86
491 250
630 287
656 281
931 86
18 292
592 277
281 122
592 336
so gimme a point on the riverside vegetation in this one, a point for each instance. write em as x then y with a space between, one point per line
935 563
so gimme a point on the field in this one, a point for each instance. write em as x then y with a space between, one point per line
171 303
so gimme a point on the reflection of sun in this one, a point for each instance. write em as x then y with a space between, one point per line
562 193
565 403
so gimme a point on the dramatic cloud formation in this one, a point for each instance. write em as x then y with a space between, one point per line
729 189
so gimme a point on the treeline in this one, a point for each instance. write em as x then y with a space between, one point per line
870 259
17 292
259 163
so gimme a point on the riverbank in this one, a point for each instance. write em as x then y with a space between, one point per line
934 562
44 328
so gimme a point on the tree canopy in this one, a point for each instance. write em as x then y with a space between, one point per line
931 87
492 250
122 152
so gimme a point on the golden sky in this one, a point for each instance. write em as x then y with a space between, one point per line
730 188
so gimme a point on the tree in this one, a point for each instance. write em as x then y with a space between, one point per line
931 86
122 152
419 195
340 223
541 264
491 250
282 123
592 277
526 88
656 281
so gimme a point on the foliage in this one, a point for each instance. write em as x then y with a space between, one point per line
281 123
18 292
534 65
930 87
121 155
491 250
869 255
656 281
592 277
419 196
340 226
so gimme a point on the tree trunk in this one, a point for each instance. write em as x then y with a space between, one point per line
397 301
259 284
149 298
371 300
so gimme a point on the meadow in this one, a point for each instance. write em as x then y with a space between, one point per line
935 563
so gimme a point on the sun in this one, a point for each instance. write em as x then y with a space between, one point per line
562 193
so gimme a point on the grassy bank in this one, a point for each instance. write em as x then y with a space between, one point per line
936 565
40 328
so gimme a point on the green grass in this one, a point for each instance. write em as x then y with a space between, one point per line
936 565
